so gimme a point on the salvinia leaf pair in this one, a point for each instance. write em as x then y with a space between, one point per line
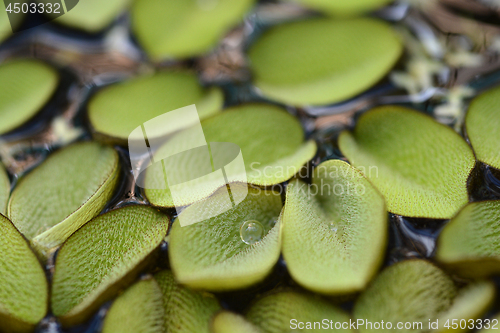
322 233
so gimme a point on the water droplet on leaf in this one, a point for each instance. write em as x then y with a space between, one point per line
251 232
333 227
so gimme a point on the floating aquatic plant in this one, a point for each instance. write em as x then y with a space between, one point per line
138 310
25 87
214 183
334 231
180 29
483 127
274 313
186 311
232 250
113 111
416 291
100 258
322 61
468 244
420 166
79 180
271 154
24 289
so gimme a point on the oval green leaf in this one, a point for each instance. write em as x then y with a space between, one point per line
482 123
316 62
276 313
413 291
138 310
229 322
101 257
232 250
25 87
117 110
4 190
181 29
271 153
72 186
91 15
421 167
334 231
471 303
24 290
342 8
186 311
469 244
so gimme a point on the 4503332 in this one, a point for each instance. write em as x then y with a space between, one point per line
49 8
472 324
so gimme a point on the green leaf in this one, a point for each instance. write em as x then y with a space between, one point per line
186 311
409 291
138 310
23 286
272 154
482 123
5 28
420 166
25 87
4 189
65 191
225 252
91 15
471 303
275 313
181 29
101 257
117 110
335 231
469 244
229 322
341 8
322 61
